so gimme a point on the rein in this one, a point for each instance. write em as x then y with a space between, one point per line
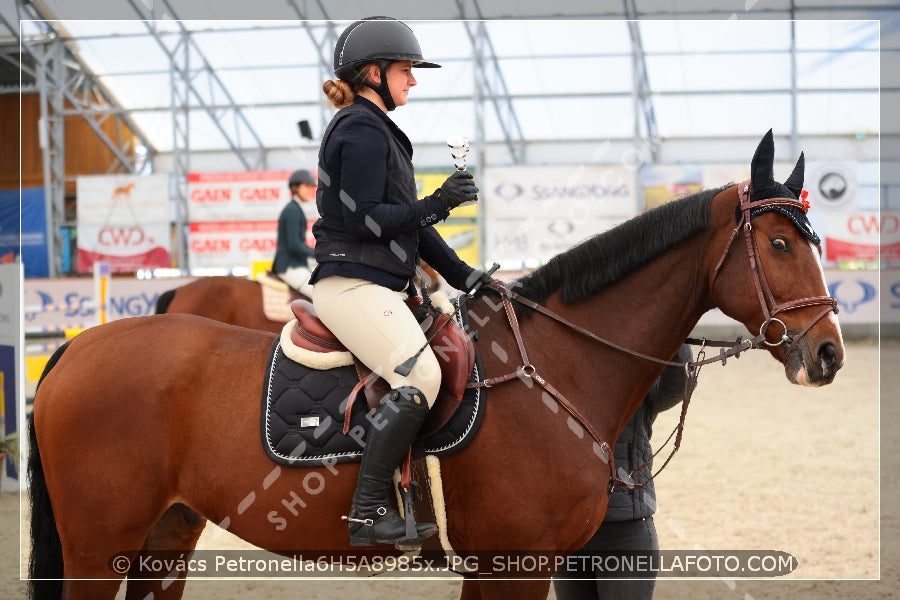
528 371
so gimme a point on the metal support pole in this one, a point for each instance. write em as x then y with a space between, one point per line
324 46
489 76
51 128
794 141
642 94
179 75
478 109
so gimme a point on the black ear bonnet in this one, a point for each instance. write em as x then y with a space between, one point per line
764 186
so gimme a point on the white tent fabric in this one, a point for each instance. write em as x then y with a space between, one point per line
568 79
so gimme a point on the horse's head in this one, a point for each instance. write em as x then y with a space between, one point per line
770 275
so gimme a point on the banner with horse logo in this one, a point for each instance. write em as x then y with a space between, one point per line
123 220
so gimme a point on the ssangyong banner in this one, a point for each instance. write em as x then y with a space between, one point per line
123 220
233 217
533 213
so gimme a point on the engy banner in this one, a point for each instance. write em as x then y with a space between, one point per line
123 220
55 305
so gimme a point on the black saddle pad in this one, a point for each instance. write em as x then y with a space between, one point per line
303 415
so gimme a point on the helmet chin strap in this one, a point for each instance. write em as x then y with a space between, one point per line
382 88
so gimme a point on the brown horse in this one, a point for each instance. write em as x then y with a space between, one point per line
145 428
233 300
239 301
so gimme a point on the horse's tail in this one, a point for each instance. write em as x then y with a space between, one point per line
164 300
45 567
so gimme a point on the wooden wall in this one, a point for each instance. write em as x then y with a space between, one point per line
85 152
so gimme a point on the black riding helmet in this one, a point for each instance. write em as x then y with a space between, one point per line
301 176
381 40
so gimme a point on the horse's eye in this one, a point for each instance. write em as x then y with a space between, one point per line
779 244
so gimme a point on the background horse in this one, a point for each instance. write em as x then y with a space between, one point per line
234 300
239 301
144 428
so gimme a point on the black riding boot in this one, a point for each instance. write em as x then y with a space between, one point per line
394 426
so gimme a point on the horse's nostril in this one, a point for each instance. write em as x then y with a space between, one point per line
828 355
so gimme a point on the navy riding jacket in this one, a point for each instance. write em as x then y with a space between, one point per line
372 224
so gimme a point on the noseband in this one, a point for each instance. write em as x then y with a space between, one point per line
770 306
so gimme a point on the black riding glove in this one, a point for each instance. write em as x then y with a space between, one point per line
459 187
476 277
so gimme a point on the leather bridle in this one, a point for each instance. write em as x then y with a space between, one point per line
770 308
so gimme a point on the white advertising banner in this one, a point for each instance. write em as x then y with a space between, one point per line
862 236
832 186
229 244
533 213
11 292
11 347
241 196
858 293
123 220
56 304
233 217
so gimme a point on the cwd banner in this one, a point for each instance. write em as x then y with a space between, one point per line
123 220
863 236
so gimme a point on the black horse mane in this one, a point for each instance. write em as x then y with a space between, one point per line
583 270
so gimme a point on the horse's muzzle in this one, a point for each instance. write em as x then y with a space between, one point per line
814 366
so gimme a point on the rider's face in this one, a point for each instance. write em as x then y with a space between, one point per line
399 80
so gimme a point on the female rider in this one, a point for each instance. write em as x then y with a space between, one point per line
372 231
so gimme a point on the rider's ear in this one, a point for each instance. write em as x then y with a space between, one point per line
372 73
795 181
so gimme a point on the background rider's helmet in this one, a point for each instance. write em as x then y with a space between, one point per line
301 176
381 40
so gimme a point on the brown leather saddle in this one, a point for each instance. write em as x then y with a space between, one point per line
452 346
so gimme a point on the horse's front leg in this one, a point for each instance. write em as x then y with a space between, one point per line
90 589
470 589
173 537
500 589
